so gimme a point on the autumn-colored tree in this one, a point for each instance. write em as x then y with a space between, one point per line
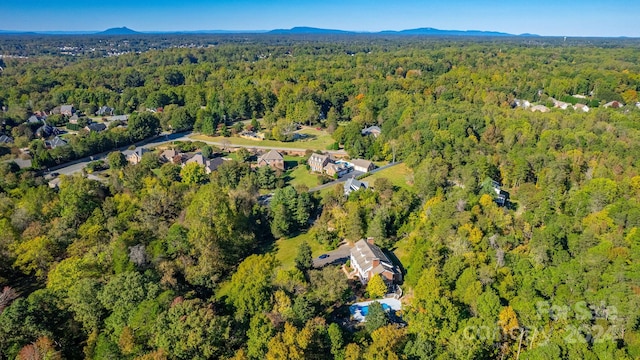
387 343
41 349
508 320
376 287
193 173
36 255
7 295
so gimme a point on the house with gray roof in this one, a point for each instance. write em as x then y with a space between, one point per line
371 130
352 185
134 156
317 162
97 127
502 197
368 260
67 110
333 169
55 183
74 119
362 165
273 159
119 118
23 163
45 131
104 111
34 119
210 165
55 142
6 139
171 155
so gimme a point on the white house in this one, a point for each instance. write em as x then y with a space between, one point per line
354 185
368 260
582 107
362 165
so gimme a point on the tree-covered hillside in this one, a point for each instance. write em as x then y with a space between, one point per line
159 262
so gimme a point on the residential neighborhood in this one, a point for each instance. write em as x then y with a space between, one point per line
313 194
328 165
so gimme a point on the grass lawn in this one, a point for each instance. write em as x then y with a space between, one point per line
319 140
401 250
301 176
399 176
287 249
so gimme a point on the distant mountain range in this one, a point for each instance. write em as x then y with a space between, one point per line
118 31
420 31
293 31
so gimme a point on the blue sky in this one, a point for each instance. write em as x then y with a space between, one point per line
543 17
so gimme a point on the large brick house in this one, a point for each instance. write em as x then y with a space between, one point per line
317 162
273 159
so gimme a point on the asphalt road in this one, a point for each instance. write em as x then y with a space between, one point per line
336 257
78 165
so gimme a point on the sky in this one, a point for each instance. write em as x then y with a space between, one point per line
542 17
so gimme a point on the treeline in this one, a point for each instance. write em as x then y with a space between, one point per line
140 127
367 82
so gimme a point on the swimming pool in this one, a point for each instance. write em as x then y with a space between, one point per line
364 310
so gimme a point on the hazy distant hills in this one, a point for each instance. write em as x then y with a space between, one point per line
310 30
118 31
301 30
419 31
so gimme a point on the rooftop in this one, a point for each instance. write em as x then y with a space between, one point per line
271 155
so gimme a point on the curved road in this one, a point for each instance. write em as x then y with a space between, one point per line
77 165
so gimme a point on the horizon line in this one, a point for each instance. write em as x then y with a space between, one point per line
257 31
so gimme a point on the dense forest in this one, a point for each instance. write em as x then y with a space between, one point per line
157 264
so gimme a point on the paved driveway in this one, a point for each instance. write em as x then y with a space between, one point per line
336 257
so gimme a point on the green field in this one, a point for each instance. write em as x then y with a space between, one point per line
401 250
287 249
301 176
320 140
399 175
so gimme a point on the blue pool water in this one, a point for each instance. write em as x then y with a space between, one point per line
364 310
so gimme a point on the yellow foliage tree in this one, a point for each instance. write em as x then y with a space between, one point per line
352 352
473 233
376 287
486 201
507 319
386 343
35 255
127 341
282 304
630 96
598 222
155 355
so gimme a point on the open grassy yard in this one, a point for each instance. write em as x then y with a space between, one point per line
318 140
287 249
301 176
401 250
399 175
